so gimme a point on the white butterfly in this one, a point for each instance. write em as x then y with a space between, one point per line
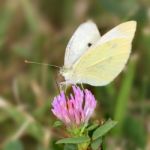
96 60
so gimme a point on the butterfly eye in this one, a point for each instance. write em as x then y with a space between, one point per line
89 44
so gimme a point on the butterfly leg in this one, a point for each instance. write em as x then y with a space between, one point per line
64 85
82 86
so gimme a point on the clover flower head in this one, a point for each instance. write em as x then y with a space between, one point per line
75 110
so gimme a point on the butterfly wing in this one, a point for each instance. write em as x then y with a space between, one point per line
124 30
103 62
86 35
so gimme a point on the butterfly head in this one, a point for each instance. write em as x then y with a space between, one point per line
66 73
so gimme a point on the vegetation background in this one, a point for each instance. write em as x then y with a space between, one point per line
39 30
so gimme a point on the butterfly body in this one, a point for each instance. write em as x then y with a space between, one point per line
97 60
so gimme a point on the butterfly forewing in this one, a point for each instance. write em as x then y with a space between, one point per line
85 36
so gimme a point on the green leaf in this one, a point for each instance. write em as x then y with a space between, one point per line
96 144
136 131
92 127
30 14
124 95
14 145
120 8
102 130
35 129
70 147
74 140
57 123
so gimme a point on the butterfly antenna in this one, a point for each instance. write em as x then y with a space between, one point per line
33 62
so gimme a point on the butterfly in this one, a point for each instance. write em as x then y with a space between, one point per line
94 59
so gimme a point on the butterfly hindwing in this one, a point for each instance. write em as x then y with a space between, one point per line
101 65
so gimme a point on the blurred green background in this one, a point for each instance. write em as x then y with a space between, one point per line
39 30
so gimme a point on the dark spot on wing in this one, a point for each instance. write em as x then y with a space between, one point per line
89 44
